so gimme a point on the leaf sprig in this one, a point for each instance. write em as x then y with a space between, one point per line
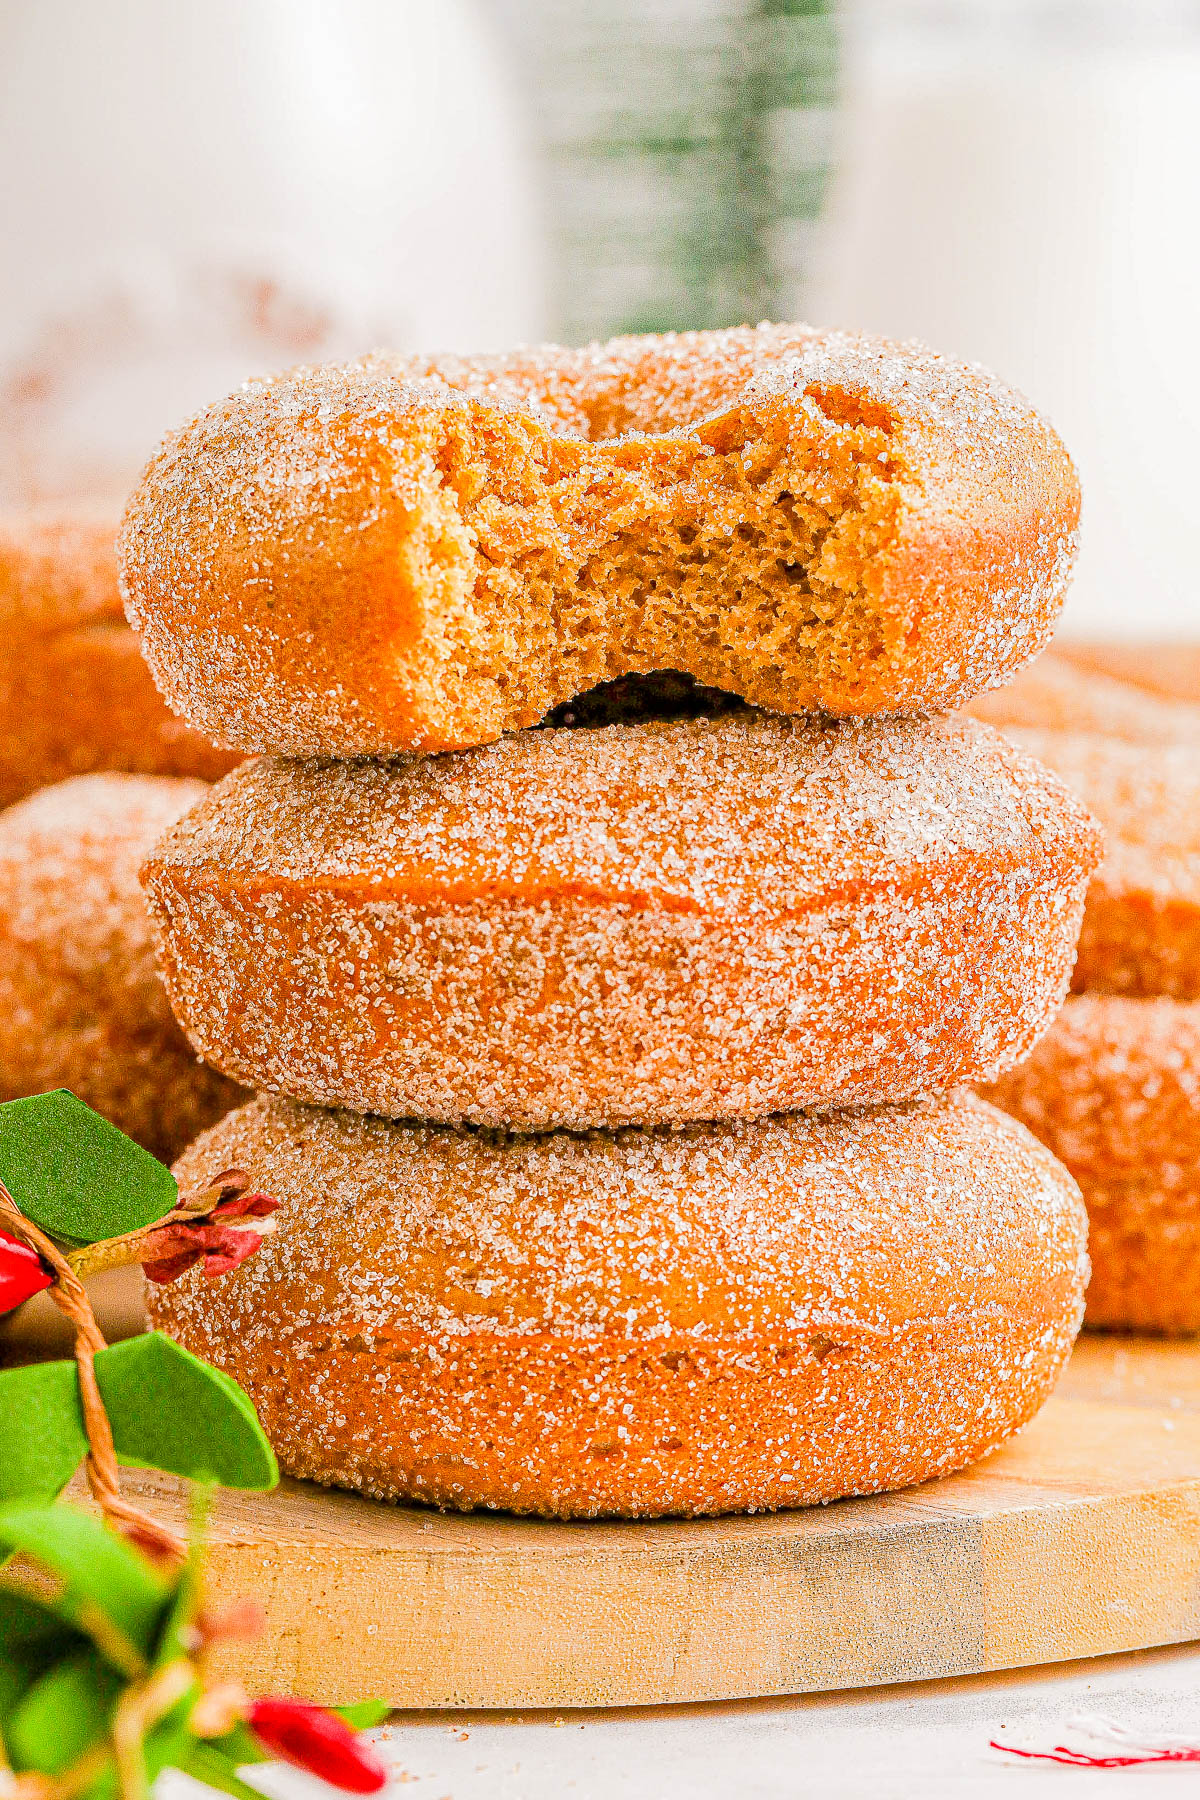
103 1640
103 1678
92 1199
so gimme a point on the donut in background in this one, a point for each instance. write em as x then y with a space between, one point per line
81 1001
75 692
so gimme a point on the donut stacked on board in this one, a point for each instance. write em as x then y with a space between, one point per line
1114 1087
610 919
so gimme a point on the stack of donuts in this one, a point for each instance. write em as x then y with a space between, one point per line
612 915
1114 1087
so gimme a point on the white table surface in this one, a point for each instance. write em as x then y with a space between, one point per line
928 1740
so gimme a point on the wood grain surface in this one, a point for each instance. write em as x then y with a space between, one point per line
1079 1538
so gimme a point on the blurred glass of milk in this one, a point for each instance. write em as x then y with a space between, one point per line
1019 183
201 190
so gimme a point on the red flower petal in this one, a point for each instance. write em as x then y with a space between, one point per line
170 1268
173 1249
254 1206
22 1272
316 1740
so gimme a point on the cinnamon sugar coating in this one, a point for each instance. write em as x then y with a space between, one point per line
635 924
75 692
1055 695
1141 924
720 1318
81 1002
1113 1090
419 553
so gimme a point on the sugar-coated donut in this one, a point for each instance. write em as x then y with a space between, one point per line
1056 695
1141 925
635 924
418 553
1114 1090
81 1002
1171 669
75 692
722 1318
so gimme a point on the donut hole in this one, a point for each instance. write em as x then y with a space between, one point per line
666 695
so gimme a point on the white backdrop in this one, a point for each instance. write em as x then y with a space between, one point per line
1019 183
199 190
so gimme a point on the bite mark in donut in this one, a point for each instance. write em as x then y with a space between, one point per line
421 553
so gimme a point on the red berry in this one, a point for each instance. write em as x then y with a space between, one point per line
316 1740
22 1272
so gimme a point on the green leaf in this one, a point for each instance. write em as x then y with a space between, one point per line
364 1713
168 1410
171 1411
209 1763
175 1632
41 1428
64 1714
240 1746
76 1175
107 1591
31 1640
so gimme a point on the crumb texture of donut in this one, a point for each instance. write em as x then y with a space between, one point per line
1141 924
419 553
721 1318
75 693
1113 1090
633 924
82 1004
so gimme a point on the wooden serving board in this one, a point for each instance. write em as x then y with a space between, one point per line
1079 1538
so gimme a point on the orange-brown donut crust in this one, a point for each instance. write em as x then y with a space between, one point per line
81 1002
1141 925
637 924
75 692
723 1318
1170 669
418 553
1055 695
1114 1090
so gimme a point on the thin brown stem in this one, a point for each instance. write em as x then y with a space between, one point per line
138 1709
120 1252
73 1781
70 1296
